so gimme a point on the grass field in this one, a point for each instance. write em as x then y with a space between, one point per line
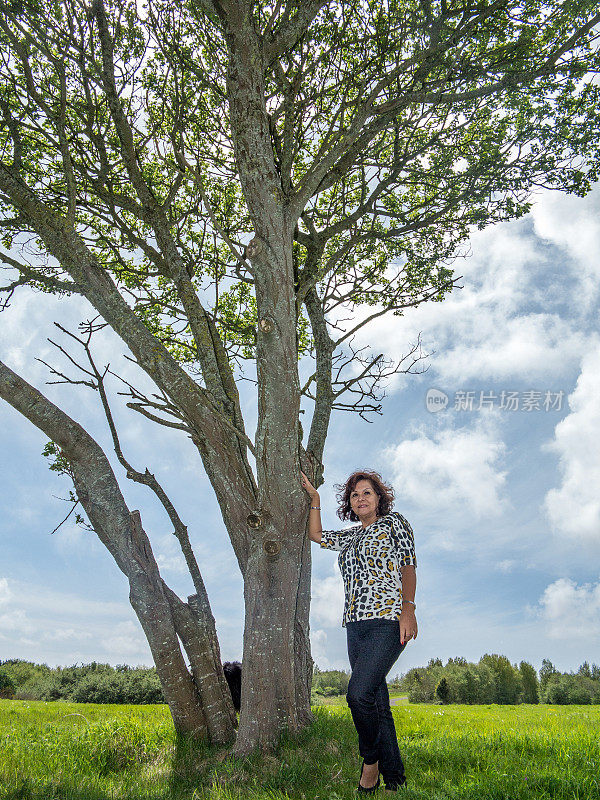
52 751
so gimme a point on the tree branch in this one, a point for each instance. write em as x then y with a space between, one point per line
286 36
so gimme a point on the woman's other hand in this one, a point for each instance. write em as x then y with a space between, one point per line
408 625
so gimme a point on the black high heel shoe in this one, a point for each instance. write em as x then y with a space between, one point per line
367 789
393 786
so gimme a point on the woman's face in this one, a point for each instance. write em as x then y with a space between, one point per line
364 500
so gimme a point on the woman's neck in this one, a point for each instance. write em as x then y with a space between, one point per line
366 524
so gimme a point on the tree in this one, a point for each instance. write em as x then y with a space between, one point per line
547 673
7 685
530 683
507 679
442 691
228 183
585 670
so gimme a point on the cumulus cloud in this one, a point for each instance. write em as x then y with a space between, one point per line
529 346
491 328
573 224
327 599
322 652
61 628
574 507
5 593
452 468
169 556
571 611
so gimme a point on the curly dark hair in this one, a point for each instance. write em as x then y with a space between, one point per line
383 490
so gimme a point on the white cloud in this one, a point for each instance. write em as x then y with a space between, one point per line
571 611
169 556
574 507
66 635
531 346
63 628
125 641
507 565
488 329
173 563
328 650
327 598
451 469
573 224
16 620
5 593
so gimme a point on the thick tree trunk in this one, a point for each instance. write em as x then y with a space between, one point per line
276 659
275 695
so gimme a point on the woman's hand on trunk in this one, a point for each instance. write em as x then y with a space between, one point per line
308 487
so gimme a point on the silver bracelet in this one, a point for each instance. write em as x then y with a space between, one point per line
316 508
412 602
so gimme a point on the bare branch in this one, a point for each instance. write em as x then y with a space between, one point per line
75 503
396 305
30 274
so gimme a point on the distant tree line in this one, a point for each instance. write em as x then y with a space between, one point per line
495 680
89 683
492 680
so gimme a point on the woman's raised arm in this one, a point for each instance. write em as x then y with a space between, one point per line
315 527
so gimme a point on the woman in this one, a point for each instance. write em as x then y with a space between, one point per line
377 561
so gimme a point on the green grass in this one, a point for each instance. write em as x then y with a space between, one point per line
64 751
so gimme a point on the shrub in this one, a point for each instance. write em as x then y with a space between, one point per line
420 683
7 686
330 682
567 689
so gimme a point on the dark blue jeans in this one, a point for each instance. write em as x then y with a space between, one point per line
373 647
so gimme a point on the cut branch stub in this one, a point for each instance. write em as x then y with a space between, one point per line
266 325
254 520
255 248
271 547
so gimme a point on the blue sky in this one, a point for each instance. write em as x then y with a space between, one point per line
504 502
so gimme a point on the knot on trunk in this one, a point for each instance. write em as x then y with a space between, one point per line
256 247
266 324
254 520
271 547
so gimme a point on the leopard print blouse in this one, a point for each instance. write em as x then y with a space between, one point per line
370 559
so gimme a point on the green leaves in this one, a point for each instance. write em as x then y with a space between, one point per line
396 128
